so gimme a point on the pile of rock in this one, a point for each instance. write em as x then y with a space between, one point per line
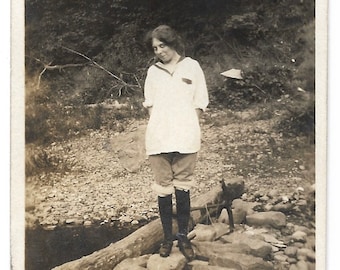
261 240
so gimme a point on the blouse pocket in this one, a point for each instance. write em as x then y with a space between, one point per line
187 81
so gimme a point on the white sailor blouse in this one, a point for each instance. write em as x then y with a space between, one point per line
174 97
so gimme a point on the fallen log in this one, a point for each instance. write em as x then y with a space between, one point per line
143 241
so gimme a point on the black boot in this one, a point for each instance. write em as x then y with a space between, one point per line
165 211
183 217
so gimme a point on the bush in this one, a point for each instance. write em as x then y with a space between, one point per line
47 119
271 41
300 117
263 83
38 160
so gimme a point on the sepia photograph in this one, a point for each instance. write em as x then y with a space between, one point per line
172 135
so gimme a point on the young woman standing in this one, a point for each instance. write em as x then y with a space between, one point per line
175 95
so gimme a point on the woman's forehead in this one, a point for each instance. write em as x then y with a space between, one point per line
156 42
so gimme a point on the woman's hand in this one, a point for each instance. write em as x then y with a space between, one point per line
198 112
150 110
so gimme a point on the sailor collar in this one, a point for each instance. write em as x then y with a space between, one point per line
161 66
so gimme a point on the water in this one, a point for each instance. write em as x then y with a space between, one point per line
45 249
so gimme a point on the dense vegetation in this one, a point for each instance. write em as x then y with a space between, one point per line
89 52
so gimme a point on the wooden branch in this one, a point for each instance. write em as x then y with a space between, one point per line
49 67
63 66
90 61
39 78
102 68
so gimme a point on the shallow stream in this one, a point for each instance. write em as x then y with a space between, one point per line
45 249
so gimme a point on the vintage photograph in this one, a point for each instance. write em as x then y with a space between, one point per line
172 135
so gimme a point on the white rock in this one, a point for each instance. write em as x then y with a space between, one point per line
87 223
176 261
134 222
299 236
69 221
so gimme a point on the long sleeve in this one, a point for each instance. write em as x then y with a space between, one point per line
148 91
201 98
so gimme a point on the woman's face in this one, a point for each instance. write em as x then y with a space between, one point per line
163 51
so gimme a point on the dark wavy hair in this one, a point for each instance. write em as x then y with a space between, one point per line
168 36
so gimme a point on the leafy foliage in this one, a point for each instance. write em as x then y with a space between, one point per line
272 42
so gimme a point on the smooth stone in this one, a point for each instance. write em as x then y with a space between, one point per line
176 261
302 265
271 218
291 251
87 223
299 236
138 263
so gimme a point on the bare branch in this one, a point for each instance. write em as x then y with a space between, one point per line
39 78
49 67
96 64
123 84
63 66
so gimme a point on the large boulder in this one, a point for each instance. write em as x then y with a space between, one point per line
240 261
211 267
272 218
250 246
211 232
176 261
138 263
130 148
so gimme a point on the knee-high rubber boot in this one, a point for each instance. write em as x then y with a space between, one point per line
183 210
165 211
183 217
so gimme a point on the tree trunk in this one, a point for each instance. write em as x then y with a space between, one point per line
142 241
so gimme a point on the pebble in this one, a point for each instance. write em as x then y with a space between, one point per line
310 243
283 207
306 253
302 265
69 221
302 203
50 227
298 244
285 199
268 207
271 239
134 222
291 251
300 189
55 222
264 198
244 196
293 267
87 223
280 257
273 193
125 219
299 236
302 228
291 260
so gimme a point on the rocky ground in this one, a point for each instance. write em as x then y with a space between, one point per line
104 177
266 242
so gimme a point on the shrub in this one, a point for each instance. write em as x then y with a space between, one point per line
300 117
